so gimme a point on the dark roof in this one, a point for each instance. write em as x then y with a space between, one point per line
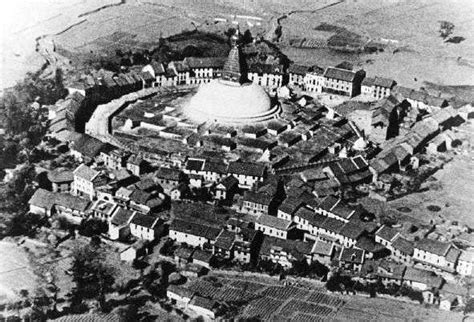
384 82
341 74
181 291
121 217
403 245
168 174
322 247
205 62
195 164
329 203
296 248
275 222
246 168
422 276
386 232
343 211
369 245
229 182
258 197
368 81
195 229
140 197
203 302
42 198
298 69
433 246
351 230
290 205
147 221
266 68
86 173
216 167
332 224
453 255
60 175
312 217
225 240
88 145
352 255
71 202
202 256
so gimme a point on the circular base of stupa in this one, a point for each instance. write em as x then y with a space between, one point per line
231 103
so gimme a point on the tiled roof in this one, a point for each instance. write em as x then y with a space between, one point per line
225 240
215 167
181 291
384 82
203 302
202 256
246 168
266 68
403 245
322 247
387 233
329 203
122 216
333 225
42 198
368 81
71 202
352 255
205 62
296 248
274 222
148 221
433 246
340 74
312 217
369 245
351 230
195 164
229 182
422 276
258 197
88 145
168 174
195 229
86 173
298 69
290 205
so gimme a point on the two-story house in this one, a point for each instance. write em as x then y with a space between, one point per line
247 173
193 234
342 81
274 226
86 180
145 227
443 255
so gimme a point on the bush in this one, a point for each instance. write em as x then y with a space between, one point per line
24 224
93 227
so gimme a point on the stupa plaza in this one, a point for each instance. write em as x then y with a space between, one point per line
232 118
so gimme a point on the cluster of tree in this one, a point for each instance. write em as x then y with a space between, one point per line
24 125
93 227
15 194
92 275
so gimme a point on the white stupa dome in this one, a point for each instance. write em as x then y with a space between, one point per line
229 102
360 144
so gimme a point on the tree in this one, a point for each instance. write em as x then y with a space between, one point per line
24 224
91 274
446 28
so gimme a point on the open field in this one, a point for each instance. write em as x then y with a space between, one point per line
15 271
452 190
408 25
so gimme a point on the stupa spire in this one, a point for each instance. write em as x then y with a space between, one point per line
235 67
